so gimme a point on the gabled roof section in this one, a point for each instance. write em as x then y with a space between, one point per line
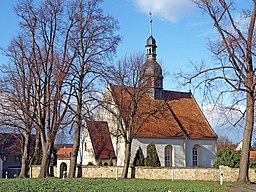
177 115
64 145
64 153
64 150
101 139
189 115
153 117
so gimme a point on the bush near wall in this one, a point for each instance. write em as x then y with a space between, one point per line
227 157
230 158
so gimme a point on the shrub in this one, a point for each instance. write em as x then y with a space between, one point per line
227 157
90 163
139 159
253 163
110 162
99 163
152 158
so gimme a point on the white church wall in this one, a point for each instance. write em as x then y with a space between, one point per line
207 151
177 149
108 116
86 153
119 150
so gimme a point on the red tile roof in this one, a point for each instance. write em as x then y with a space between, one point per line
101 139
64 153
64 145
177 115
189 115
252 154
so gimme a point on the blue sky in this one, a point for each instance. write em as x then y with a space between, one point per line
181 36
180 29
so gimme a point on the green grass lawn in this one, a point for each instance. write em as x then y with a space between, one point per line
102 185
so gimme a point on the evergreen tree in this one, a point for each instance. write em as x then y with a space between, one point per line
110 162
139 159
227 157
152 158
99 163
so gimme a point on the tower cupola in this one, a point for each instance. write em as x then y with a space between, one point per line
151 71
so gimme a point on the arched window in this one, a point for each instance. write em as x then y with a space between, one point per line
195 156
168 156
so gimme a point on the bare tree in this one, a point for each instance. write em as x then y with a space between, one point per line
224 142
17 103
47 29
124 100
234 73
94 42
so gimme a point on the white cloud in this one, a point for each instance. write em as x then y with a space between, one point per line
170 10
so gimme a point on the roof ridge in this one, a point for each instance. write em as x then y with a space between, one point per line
178 91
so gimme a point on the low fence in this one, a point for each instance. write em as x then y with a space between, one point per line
208 174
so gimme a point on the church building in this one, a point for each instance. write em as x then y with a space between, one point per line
178 128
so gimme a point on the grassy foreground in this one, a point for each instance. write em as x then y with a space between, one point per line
54 184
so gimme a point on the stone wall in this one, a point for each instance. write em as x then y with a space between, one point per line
210 174
35 170
101 172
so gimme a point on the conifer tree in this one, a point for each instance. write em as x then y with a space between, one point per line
139 159
152 158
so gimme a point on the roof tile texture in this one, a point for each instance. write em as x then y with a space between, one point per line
101 139
177 115
64 153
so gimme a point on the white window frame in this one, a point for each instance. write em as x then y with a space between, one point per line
195 156
168 156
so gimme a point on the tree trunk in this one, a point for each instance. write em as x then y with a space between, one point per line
127 159
245 153
25 154
37 149
44 169
73 161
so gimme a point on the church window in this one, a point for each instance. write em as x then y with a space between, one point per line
168 156
195 156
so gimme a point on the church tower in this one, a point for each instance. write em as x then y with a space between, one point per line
151 71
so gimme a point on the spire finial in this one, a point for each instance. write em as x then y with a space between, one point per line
150 23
